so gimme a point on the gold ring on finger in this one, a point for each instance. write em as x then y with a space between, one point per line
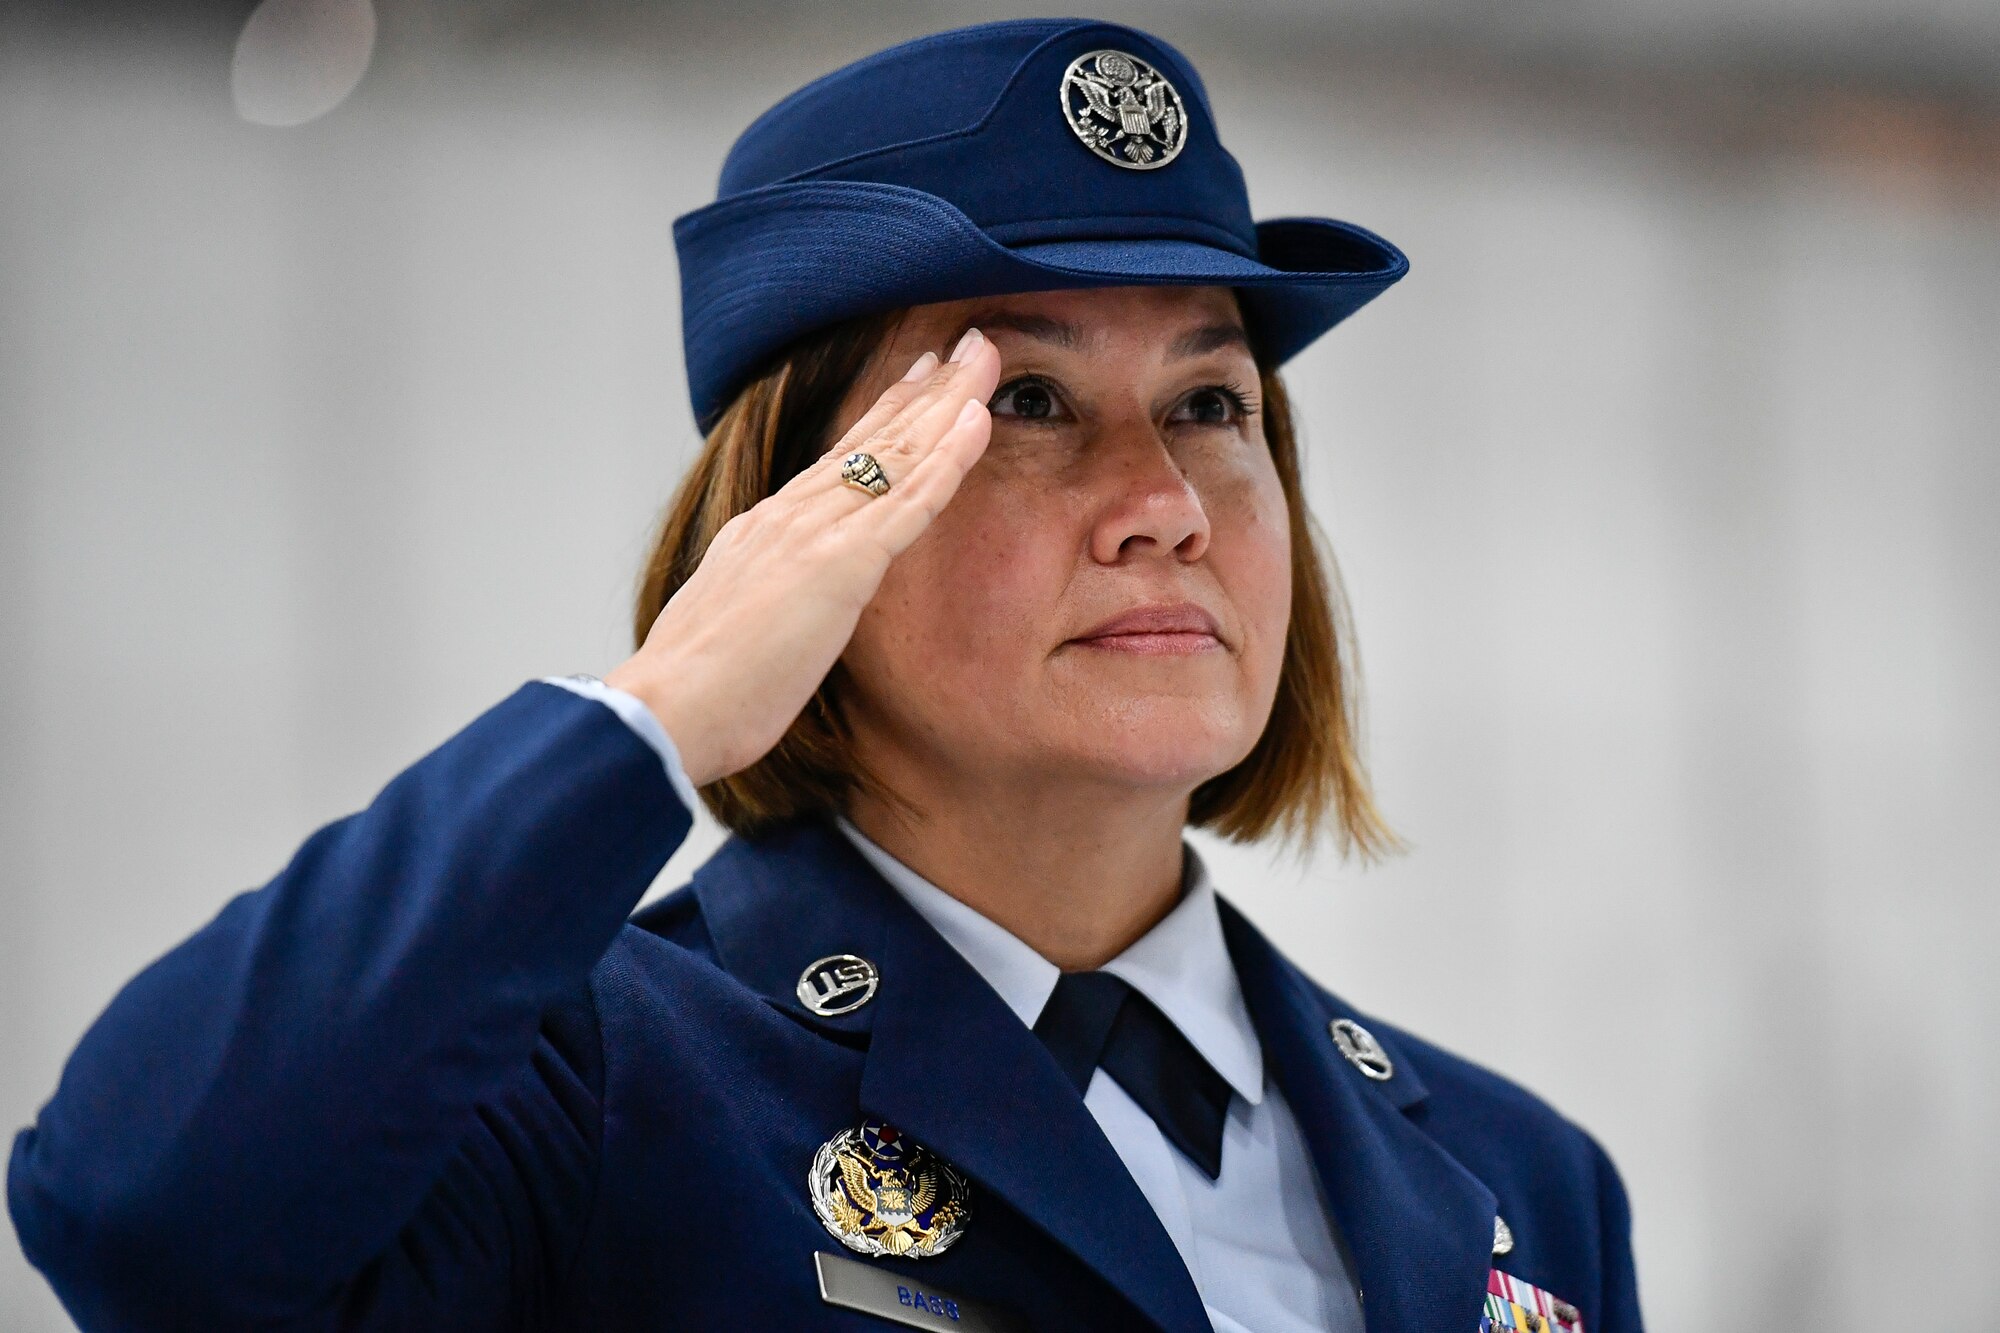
862 472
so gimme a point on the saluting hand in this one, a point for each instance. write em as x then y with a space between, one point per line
741 647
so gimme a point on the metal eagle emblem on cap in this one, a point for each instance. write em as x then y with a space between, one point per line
1124 110
879 1192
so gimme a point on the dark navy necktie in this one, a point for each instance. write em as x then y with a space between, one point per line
1094 1020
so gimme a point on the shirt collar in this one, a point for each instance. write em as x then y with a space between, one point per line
1182 964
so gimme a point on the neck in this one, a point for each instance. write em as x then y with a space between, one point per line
1076 871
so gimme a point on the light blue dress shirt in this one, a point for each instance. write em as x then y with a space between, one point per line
1257 1239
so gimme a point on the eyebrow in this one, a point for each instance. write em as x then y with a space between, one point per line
1195 342
1208 338
1039 327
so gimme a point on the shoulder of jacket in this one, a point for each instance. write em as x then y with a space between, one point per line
666 938
675 918
1456 1077
1471 1105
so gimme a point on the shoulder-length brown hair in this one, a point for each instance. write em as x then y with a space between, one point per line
1306 768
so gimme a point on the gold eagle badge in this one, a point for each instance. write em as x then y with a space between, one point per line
880 1192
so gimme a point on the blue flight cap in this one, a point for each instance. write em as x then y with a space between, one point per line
1005 157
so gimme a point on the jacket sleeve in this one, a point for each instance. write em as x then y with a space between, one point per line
362 1090
1620 1293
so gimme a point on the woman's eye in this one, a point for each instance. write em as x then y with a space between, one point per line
1210 407
1025 399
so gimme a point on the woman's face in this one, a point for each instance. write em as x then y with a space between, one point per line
1127 473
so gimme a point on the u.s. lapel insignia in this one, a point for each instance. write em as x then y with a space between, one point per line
879 1192
1512 1304
838 984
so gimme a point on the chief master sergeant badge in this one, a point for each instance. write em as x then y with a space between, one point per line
880 1193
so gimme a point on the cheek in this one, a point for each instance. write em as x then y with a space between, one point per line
1250 549
973 598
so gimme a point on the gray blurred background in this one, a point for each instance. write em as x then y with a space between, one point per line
1665 488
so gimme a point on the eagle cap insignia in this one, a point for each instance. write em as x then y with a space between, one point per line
1124 110
880 1192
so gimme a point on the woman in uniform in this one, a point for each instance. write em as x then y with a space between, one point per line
993 576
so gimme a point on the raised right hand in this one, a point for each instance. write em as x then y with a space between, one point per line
740 648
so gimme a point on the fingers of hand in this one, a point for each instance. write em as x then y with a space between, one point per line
824 472
971 374
894 520
925 373
911 416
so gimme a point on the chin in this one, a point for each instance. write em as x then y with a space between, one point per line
1185 754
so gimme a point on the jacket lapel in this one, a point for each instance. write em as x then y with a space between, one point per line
1420 1226
948 1062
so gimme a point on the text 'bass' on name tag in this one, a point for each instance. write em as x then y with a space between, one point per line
887 1295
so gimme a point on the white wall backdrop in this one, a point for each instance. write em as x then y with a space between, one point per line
1665 489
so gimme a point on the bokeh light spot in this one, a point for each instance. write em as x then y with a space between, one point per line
296 60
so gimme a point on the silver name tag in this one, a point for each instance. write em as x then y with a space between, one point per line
857 1286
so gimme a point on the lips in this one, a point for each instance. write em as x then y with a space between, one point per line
1175 618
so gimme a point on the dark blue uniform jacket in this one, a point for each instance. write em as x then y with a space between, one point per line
432 1077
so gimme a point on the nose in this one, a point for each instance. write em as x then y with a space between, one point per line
1149 505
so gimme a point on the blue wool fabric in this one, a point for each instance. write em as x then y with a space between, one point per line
431 1077
944 168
